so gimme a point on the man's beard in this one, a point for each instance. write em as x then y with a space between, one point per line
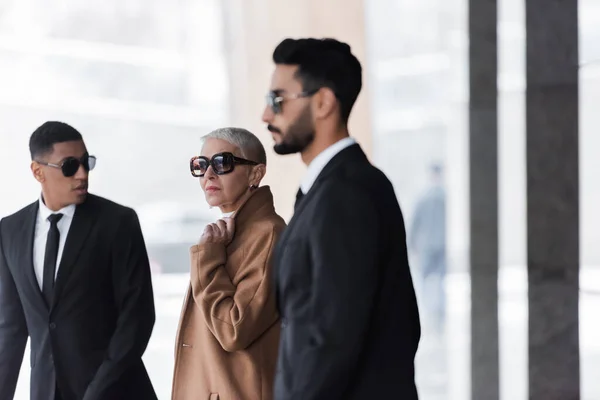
298 136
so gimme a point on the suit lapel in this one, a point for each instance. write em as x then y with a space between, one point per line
78 232
353 152
27 235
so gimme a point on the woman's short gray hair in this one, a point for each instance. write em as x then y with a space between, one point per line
249 145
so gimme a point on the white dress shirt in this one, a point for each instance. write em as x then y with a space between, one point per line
42 226
320 161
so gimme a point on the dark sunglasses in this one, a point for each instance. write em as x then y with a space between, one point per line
221 163
275 99
70 165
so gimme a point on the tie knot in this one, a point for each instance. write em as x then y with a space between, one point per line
54 218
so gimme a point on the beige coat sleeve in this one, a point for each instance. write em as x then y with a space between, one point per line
236 315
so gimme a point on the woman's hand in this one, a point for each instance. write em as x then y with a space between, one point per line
220 232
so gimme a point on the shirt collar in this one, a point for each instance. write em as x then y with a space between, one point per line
320 161
45 212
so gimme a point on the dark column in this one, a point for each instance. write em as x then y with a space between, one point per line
483 153
553 198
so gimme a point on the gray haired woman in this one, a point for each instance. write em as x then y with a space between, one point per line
228 333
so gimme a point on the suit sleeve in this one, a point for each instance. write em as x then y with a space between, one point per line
13 330
132 285
344 246
236 314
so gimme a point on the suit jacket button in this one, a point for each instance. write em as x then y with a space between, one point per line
52 325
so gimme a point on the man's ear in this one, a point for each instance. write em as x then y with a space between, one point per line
326 103
38 172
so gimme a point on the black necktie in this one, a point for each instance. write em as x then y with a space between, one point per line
50 258
299 196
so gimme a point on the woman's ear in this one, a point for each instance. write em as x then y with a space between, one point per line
257 174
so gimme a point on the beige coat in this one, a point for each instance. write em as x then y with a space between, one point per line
228 334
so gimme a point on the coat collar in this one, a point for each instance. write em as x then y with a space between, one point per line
260 203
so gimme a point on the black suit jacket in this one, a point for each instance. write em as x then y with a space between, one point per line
350 320
91 339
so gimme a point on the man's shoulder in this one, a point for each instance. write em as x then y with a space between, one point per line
107 206
361 177
361 188
18 216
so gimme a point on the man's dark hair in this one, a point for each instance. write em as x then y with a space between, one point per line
42 140
324 63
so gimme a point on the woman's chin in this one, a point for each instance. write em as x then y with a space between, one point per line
213 200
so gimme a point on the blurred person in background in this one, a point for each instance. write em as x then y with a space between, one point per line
75 279
350 319
228 336
427 240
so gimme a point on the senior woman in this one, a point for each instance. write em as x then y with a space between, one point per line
228 333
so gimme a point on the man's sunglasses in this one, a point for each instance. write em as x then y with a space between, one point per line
221 163
275 99
70 165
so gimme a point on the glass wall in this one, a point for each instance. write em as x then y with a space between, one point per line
589 169
418 56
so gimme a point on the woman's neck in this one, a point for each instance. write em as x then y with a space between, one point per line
232 207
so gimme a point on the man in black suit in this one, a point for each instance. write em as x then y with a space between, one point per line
350 320
75 279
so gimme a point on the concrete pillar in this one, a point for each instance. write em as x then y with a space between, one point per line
552 112
483 155
252 30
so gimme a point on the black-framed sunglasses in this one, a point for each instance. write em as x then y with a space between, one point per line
70 165
275 99
221 163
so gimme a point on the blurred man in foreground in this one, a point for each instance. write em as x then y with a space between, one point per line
350 321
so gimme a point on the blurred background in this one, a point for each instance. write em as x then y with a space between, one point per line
143 80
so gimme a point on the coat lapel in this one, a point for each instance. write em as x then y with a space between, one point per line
78 233
27 235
